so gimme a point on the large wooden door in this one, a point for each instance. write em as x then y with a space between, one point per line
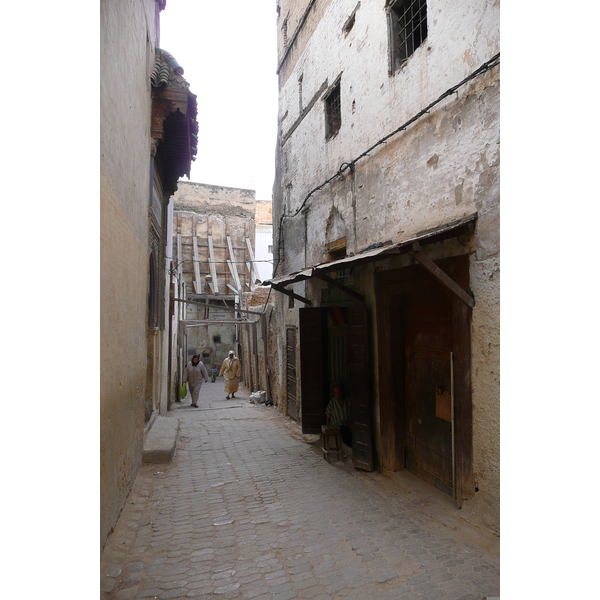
428 343
362 450
290 351
424 343
313 357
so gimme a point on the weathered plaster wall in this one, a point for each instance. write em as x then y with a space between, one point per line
128 38
222 206
443 167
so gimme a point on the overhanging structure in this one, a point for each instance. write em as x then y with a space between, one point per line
411 245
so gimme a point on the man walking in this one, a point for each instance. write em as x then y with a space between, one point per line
231 369
194 373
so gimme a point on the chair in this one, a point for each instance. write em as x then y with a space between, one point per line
327 433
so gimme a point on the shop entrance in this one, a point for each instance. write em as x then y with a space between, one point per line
334 351
425 390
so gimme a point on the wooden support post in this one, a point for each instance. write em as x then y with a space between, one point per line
197 279
255 338
421 257
253 269
179 251
214 285
281 289
264 331
339 286
233 268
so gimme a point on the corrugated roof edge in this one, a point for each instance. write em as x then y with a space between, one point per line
369 255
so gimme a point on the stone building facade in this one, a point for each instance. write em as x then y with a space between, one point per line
386 238
148 139
213 249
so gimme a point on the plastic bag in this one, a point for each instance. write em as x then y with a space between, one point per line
183 390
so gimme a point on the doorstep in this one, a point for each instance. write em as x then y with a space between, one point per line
161 441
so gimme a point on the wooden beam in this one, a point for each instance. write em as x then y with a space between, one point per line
253 277
281 289
339 286
196 259
421 257
233 268
179 251
211 263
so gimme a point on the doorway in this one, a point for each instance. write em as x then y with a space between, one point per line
334 350
424 375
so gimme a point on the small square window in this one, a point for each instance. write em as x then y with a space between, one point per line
270 249
333 112
216 339
408 29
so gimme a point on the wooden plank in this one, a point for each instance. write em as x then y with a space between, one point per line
362 450
264 333
421 257
233 289
253 276
249 267
339 286
214 285
197 279
233 267
290 293
179 257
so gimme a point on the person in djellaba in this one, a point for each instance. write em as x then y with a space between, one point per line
195 373
231 370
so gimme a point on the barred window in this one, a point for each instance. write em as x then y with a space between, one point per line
408 29
333 112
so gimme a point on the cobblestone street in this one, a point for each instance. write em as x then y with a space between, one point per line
248 508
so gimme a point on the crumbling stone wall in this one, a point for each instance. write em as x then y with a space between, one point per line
442 167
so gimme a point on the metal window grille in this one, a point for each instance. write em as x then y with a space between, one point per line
333 112
409 21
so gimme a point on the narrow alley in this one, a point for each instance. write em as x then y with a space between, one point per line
248 508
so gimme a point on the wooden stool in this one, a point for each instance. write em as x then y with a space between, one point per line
328 432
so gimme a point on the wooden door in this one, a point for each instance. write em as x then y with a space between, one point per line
362 450
290 350
428 343
312 368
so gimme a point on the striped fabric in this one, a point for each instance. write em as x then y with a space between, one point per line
338 415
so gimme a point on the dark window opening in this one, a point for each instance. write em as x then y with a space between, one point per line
408 22
216 339
333 112
291 302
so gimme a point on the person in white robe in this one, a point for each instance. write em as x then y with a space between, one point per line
231 370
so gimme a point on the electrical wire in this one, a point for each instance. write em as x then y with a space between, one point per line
486 66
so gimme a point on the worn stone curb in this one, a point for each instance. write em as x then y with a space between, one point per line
161 441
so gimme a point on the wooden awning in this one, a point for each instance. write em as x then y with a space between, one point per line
410 245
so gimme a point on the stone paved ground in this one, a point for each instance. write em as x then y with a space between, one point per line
248 508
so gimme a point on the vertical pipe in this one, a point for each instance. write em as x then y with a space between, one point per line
452 416
170 337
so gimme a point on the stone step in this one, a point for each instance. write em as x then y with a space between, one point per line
161 441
